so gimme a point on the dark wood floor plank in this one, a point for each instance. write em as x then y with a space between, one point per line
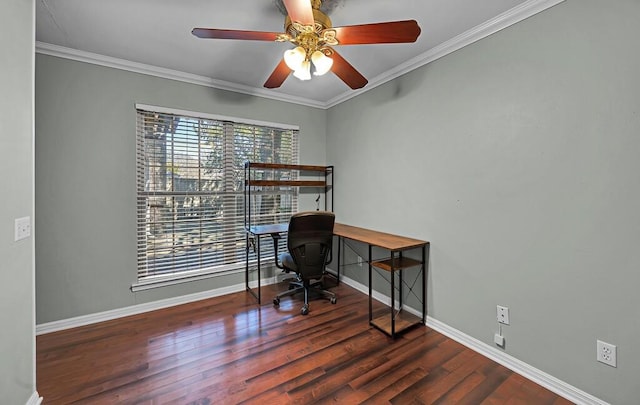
507 391
400 384
424 388
495 376
402 363
230 350
430 393
390 362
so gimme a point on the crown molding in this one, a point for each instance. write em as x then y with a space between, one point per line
498 23
504 20
150 70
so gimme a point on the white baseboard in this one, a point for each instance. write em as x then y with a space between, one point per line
538 376
548 381
35 399
133 310
83 320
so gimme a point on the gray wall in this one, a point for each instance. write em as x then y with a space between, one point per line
17 343
517 157
85 178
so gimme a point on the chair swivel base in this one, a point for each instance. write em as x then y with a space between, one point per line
297 287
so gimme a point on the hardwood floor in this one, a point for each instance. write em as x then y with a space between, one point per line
228 350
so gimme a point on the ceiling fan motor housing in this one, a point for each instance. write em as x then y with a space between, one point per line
322 22
312 38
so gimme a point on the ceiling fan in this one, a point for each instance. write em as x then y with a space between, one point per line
314 36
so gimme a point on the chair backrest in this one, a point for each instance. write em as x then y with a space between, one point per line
309 241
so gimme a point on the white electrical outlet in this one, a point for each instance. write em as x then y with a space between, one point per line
22 228
359 261
606 353
503 315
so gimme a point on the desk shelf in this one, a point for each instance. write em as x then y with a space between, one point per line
283 179
293 183
279 176
403 320
282 166
398 263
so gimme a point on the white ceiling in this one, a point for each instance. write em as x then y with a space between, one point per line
157 33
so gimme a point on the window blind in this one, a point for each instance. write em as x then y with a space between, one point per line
190 191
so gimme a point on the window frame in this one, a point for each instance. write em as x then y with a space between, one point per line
144 282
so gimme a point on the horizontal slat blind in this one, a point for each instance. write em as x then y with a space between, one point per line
190 183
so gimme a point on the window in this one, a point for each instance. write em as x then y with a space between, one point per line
190 190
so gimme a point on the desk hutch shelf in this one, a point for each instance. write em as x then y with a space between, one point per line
279 175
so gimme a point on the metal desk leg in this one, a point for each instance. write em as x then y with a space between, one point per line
393 298
340 242
258 260
400 283
370 288
424 286
246 264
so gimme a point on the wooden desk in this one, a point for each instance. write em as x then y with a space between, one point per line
396 321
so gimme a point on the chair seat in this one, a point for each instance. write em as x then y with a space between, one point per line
287 262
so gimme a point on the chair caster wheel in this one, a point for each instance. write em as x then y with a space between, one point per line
334 300
276 302
304 310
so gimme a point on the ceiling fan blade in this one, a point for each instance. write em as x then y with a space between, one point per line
346 72
234 34
300 11
379 33
279 75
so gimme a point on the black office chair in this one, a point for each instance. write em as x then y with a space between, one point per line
309 242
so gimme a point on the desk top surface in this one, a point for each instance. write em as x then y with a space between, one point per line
368 236
269 229
376 238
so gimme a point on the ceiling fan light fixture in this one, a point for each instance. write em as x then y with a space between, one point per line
321 62
304 72
295 57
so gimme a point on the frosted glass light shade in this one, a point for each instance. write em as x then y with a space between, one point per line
294 57
321 62
304 72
